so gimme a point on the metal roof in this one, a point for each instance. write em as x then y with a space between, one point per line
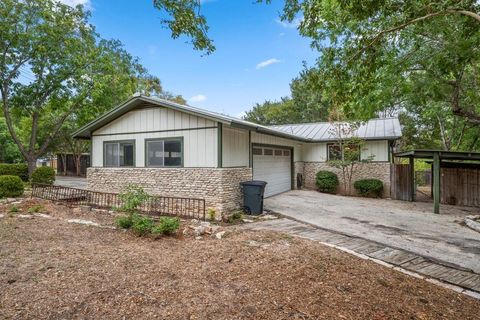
314 132
388 128
138 100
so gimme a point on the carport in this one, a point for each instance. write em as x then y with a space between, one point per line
463 181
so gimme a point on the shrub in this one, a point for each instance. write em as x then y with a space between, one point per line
43 175
17 169
132 197
141 225
36 208
14 209
124 222
11 186
166 225
212 213
326 181
369 187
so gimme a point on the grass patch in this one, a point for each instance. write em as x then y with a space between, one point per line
36 209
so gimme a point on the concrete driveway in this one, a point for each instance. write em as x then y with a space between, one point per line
71 182
407 225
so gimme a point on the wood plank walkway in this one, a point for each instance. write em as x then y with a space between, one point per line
408 261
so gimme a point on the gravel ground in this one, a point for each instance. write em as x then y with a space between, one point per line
51 269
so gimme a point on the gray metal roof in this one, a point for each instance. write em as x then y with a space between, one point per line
388 128
314 132
138 100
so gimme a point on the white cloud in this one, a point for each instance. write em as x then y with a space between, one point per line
73 3
267 63
198 98
290 25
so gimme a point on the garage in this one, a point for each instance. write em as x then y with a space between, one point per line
273 164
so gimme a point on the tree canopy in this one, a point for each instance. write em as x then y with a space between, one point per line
305 104
55 69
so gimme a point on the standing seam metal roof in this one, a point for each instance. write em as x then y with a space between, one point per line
311 132
387 128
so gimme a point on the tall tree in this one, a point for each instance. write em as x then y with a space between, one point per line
377 54
306 104
9 152
55 46
54 69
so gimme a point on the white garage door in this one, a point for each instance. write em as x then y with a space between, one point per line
272 165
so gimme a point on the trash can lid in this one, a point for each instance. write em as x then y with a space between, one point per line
253 183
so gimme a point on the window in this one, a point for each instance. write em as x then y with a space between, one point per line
257 151
334 152
164 152
286 153
268 152
119 153
278 152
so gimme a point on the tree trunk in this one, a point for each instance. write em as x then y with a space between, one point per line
64 163
32 165
77 164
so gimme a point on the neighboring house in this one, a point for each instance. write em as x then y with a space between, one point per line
177 150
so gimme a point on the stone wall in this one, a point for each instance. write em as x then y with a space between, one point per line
375 170
298 167
218 186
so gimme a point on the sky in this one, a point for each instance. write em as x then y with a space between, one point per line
257 55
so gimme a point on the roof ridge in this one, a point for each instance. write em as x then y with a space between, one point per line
328 122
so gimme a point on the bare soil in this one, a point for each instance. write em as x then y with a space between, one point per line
51 269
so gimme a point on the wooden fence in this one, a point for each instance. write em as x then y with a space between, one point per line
460 186
401 182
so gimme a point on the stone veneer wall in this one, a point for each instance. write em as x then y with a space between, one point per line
218 186
376 170
298 167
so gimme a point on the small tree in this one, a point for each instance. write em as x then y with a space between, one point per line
349 156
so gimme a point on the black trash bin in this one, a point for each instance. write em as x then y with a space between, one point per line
253 196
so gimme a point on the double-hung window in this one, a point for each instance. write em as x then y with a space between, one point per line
119 153
164 152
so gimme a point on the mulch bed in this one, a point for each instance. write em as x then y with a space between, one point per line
51 269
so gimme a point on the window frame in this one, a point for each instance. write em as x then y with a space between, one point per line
132 141
341 151
165 139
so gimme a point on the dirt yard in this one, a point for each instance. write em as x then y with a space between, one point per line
51 269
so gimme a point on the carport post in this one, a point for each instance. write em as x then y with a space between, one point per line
412 182
436 182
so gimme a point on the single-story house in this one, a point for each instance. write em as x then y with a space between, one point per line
178 150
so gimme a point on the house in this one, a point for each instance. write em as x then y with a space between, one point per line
178 150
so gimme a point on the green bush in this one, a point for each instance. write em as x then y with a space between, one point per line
166 225
11 186
141 225
326 181
212 213
132 198
369 187
124 222
16 169
43 175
